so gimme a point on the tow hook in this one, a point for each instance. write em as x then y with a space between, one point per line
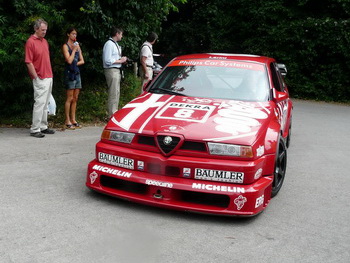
158 195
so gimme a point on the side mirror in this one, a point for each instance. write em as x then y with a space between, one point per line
283 69
279 96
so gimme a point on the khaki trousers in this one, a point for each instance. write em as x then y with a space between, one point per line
42 90
113 78
145 80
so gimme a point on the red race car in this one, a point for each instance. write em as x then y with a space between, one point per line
209 134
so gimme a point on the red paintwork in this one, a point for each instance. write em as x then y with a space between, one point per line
167 179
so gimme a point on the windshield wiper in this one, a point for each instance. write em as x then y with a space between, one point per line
166 91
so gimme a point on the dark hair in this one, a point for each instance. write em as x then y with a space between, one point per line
69 30
116 30
152 37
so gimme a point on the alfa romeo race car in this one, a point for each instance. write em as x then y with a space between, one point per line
209 134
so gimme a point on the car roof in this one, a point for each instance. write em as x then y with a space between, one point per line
226 56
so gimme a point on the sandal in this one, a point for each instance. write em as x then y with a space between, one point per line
69 127
77 125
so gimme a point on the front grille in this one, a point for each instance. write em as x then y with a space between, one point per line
147 140
214 200
187 145
167 148
118 184
206 199
194 146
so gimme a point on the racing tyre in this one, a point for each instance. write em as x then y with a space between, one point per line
280 168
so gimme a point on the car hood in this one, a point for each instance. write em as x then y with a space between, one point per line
194 118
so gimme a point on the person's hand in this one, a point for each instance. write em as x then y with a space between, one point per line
76 47
123 59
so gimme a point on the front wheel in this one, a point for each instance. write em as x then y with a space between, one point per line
280 167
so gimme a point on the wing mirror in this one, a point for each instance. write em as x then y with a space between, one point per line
283 69
279 96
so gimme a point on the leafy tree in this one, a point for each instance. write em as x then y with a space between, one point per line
93 20
311 37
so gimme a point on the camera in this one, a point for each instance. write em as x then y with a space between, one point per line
128 62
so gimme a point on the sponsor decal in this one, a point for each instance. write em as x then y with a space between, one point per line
108 170
258 173
220 176
218 188
240 201
187 172
259 201
238 119
218 63
93 176
186 112
281 113
140 165
190 106
197 100
217 57
260 151
116 160
171 128
158 183
137 108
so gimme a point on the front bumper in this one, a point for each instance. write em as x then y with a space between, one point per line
180 193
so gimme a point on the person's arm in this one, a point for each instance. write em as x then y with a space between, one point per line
81 58
69 57
31 70
107 55
121 60
29 59
144 66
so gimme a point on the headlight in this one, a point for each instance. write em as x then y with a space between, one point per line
230 150
125 137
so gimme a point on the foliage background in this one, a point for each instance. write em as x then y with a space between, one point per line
311 37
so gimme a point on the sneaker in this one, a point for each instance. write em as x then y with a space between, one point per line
48 131
37 134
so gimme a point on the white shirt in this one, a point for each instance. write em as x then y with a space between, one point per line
147 51
111 53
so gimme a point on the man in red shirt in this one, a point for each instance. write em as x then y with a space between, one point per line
37 59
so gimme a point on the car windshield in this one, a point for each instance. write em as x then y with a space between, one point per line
232 80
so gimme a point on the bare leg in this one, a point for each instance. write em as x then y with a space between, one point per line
67 106
74 105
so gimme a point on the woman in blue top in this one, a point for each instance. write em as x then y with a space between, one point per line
72 81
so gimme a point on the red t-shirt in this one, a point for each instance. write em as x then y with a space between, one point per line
37 52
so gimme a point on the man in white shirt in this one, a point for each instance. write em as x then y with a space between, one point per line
112 62
146 58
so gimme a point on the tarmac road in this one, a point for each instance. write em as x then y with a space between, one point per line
48 215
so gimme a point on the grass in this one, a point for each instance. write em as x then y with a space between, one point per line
91 108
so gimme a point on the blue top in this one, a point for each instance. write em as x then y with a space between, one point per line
74 66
